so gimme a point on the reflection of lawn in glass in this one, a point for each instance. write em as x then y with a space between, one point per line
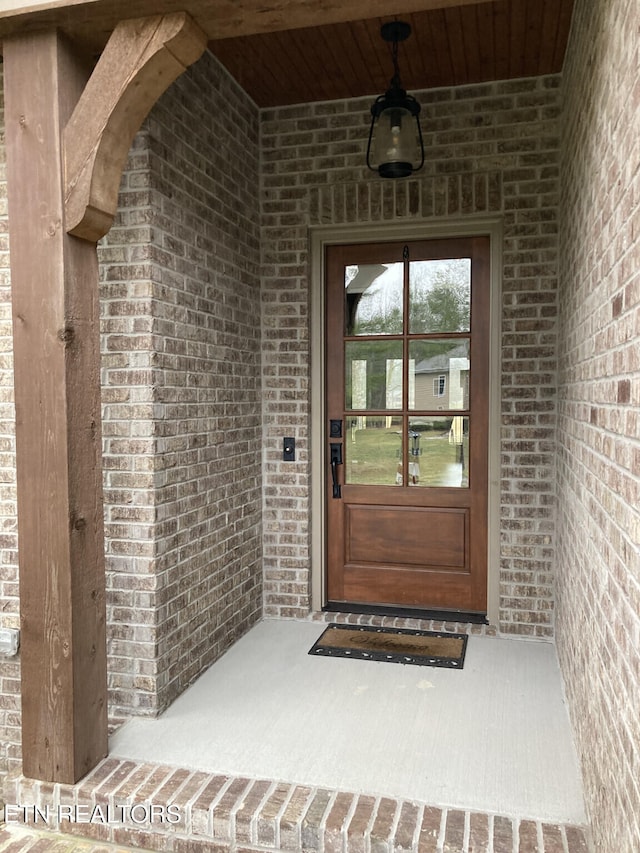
373 458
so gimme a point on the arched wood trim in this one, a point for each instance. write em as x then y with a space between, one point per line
140 61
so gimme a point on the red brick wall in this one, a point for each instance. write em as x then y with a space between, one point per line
598 574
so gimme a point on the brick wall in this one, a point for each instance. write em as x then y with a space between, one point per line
599 412
182 417
491 149
204 167
128 378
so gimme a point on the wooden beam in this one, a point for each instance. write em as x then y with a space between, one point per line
58 437
92 20
252 16
142 58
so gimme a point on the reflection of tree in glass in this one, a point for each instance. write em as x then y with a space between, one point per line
379 324
440 301
440 296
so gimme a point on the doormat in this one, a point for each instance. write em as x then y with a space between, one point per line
392 645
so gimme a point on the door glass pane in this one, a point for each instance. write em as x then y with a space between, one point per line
373 451
439 374
440 296
373 377
373 299
439 451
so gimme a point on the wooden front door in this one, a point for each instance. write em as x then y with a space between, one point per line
407 367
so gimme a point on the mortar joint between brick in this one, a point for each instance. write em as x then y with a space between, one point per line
418 828
188 809
214 802
369 829
347 821
467 829
307 804
234 811
394 825
278 817
323 823
443 830
253 823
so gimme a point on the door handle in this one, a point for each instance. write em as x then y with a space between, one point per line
336 459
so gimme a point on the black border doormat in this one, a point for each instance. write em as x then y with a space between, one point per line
392 645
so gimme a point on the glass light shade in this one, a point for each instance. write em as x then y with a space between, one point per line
395 148
395 145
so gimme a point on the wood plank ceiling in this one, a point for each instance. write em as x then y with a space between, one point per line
298 51
450 46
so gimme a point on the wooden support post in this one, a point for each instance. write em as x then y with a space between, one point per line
57 386
67 142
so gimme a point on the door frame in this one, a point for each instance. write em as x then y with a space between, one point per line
319 238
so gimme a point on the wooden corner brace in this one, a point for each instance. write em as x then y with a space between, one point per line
140 61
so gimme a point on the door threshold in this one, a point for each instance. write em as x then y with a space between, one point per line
406 612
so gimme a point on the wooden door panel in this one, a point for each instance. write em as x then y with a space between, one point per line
406 588
368 495
419 537
404 389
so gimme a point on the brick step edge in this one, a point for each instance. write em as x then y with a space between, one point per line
157 807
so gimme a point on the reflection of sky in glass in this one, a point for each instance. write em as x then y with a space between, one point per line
458 269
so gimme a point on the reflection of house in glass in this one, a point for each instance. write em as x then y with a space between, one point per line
442 379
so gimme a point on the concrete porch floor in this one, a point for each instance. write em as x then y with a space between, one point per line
493 737
275 750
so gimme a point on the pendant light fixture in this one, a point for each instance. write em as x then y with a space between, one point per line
395 148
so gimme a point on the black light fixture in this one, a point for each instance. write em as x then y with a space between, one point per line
395 138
